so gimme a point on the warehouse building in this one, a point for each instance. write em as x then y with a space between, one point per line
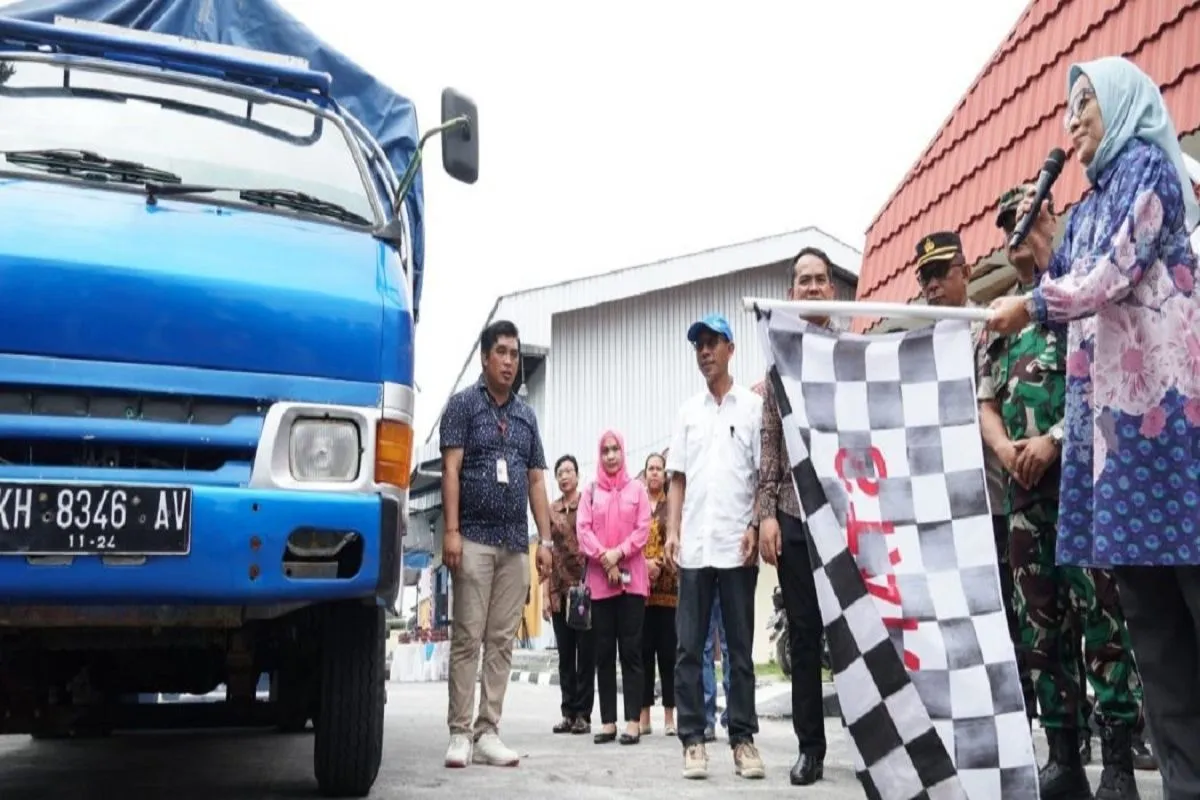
610 351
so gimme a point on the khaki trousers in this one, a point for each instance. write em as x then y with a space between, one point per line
490 588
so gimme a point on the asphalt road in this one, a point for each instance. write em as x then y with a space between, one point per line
237 765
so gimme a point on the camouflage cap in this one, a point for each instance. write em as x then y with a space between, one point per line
1006 211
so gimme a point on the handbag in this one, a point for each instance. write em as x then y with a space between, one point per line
578 611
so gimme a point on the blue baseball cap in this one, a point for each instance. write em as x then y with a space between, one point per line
713 322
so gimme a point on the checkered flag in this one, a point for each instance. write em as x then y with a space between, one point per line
887 460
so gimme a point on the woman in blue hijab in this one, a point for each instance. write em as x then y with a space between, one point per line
1124 282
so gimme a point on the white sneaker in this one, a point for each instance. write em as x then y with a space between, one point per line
695 762
491 751
458 754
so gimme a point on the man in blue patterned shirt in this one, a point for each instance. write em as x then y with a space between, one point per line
492 467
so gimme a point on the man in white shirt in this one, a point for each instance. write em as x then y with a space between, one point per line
712 535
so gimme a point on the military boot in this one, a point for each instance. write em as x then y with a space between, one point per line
1063 777
1116 751
1143 756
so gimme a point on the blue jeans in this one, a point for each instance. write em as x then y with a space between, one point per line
710 670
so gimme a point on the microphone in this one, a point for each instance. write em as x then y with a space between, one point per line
1050 170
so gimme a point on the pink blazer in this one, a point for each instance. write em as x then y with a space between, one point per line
627 532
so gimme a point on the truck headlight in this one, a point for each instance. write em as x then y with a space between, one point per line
324 450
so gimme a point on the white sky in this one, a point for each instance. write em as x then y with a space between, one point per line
619 133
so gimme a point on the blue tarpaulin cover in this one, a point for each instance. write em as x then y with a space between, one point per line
264 25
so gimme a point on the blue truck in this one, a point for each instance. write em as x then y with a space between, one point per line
210 265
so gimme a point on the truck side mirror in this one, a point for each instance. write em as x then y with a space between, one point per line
460 141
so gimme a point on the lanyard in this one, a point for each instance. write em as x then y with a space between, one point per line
501 421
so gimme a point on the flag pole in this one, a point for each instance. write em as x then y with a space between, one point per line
855 308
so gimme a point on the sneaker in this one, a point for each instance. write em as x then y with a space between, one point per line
491 751
747 762
458 754
695 762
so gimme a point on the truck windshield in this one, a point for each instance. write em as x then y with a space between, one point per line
199 135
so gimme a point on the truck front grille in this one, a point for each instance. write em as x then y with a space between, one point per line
117 456
58 402
56 428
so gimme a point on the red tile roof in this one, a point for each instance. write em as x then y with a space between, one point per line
1000 132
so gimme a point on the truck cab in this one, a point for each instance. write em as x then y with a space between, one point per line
206 388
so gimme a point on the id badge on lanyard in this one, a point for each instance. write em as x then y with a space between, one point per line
502 462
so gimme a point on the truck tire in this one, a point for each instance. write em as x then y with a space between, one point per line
349 736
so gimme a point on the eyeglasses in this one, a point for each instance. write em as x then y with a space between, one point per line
1077 105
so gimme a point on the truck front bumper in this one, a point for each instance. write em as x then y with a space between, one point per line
238 546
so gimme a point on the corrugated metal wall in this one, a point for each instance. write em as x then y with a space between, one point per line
627 364
531 309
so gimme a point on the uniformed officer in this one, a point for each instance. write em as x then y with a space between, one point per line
1022 392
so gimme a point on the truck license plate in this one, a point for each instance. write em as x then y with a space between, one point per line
83 519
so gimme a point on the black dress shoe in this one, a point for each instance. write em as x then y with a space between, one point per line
629 738
604 737
807 770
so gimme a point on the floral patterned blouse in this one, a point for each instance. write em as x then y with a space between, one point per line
665 590
1124 279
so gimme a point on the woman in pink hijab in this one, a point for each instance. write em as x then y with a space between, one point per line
613 521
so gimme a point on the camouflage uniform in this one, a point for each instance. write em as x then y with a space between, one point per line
1026 376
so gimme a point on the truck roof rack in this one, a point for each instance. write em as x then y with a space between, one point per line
172 53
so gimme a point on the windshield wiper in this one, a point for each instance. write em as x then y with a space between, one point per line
89 165
288 198
276 198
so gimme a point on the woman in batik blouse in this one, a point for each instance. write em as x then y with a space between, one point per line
576 649
658 627
1123 281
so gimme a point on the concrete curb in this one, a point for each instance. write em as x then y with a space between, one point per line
771 707
779 705
536 678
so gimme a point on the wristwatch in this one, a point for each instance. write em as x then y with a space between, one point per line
1056 434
